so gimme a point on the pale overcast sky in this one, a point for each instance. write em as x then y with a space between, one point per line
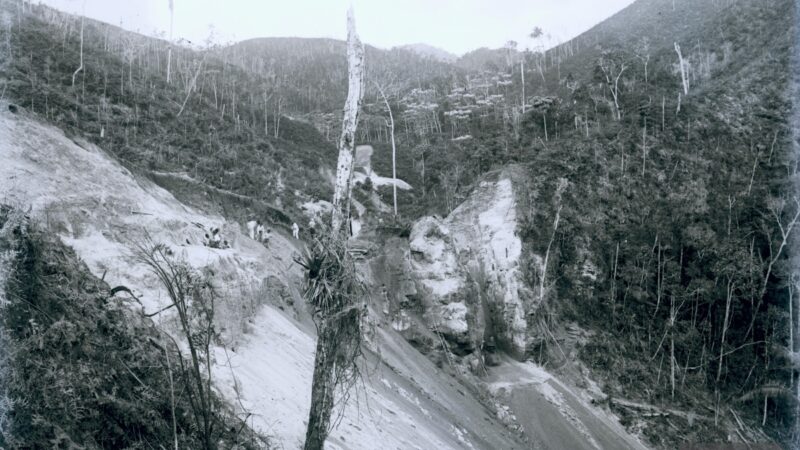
457 26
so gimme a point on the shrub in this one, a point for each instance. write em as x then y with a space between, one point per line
84 370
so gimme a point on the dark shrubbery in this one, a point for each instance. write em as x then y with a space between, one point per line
84 370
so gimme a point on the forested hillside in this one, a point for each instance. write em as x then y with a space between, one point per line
203 126
677 195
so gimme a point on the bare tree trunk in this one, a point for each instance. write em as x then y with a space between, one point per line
322 390
522 74
324 384
266 113
728 300
684 70
169 51
785 234
394 149
791 322
616 92
614 88
644 148
544 121
344 165
80 67
278 117
192 85
559 190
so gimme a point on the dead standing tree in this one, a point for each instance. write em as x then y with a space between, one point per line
612 70
684 68
80 67
169 50
332 285
394 148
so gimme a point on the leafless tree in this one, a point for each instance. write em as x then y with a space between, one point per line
777 209
643 54
394 148
684 68
192 84
612 71
332 285
169 50
80 67
562 186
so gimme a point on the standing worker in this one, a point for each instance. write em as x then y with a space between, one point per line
295 230
260 231
251 229
312 226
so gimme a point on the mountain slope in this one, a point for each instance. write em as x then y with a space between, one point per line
673 206
311 74
429 51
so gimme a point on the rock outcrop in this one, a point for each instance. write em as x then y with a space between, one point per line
468 269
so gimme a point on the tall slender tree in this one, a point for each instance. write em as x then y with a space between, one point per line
169 50
394 148
80 67
332 286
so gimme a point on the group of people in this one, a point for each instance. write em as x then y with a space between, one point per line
258 232
215 239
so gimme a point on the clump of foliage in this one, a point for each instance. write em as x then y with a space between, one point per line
338 297
84 370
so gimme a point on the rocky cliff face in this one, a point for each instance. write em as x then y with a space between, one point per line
468 270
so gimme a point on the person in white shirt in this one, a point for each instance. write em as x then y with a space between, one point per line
312 227
251 229
295 231
260 231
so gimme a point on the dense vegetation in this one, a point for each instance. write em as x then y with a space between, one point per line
83 369
685 212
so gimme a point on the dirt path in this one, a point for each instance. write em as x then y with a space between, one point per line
552 413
